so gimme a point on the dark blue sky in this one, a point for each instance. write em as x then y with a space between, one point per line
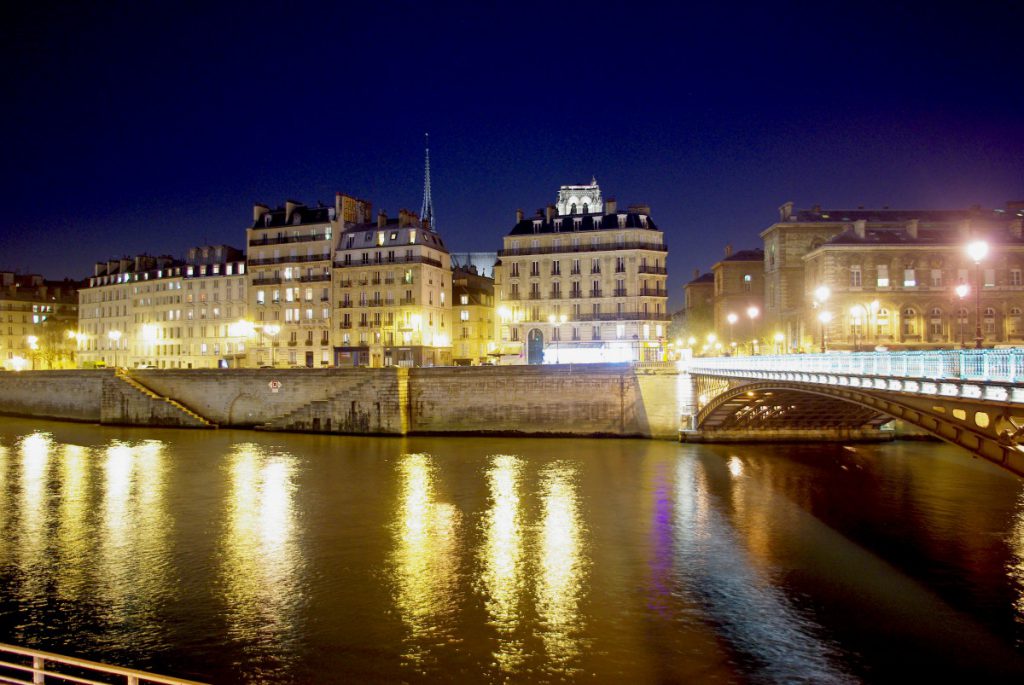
154 126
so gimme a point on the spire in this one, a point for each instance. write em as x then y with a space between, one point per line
427 211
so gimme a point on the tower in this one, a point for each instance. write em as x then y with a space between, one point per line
427 211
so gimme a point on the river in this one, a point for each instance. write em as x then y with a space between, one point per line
245 557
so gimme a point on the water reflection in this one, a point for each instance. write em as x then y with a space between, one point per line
262 560
426 559
132 575
754 617
562 572
73 537
34 450
502 578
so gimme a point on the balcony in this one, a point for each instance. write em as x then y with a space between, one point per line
289 259
566 249
345 283
596 293
556 294
407 301
346 325
653 292
266 280
316 278
345 304
658 270
619 292
534 296
575 294
267 240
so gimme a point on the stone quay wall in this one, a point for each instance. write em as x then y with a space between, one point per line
598 399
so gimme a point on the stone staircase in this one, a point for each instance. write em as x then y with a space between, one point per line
337 413
188 417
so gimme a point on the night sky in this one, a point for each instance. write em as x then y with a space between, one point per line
154 126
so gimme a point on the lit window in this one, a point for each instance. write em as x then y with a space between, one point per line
464 315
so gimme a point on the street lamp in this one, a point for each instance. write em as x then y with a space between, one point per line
856 311
115 340
977 250
731 318
821 294
752 313
824 318
962 291
271 329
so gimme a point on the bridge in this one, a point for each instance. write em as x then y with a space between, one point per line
970 398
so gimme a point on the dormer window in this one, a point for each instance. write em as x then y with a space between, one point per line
296 219
643 221
536 225
266 219
558 225
622 220
576 224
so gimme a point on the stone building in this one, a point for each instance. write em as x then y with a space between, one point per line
289 250
860 278
697 317
38 322
392 294
473 318
583 281
166 313
739 295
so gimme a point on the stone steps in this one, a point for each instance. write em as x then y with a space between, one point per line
192 417
326 415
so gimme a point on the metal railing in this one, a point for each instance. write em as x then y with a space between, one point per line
31 666
1005 366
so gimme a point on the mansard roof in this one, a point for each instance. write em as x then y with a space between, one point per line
754 255
944 236
301 215
588 222
364 236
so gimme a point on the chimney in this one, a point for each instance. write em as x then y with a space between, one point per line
407 219
549 213
258 210
100 269
912 228
382 219
860 227
519 215
728 249
611 206
289 207
786 211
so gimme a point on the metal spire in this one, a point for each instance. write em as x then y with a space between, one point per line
427 211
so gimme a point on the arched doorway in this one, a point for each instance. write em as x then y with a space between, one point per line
535 347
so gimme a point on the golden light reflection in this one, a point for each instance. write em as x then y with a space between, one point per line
735 466
562 566
426 561
261 565
4 500
32 539
135 532
75 542
502 559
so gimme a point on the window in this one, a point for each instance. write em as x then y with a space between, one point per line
1015 278
464 315
990 278
747 278
909 280
936 281
855 276
909 322
883 275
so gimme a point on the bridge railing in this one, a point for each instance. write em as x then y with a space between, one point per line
975 365
30 666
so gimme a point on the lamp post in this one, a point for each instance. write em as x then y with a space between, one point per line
752 313
731 318
115 341
962 291
824 318
821 295
977 250
272 330
857 311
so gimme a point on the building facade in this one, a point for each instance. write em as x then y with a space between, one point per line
161 312
739 299
392 293
38 322
583 281
473 318
859 279
289 297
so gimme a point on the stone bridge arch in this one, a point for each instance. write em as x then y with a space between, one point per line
988 429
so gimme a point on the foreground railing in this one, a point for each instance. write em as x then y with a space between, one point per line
1005 366
30 667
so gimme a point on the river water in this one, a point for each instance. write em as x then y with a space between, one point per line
235 556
